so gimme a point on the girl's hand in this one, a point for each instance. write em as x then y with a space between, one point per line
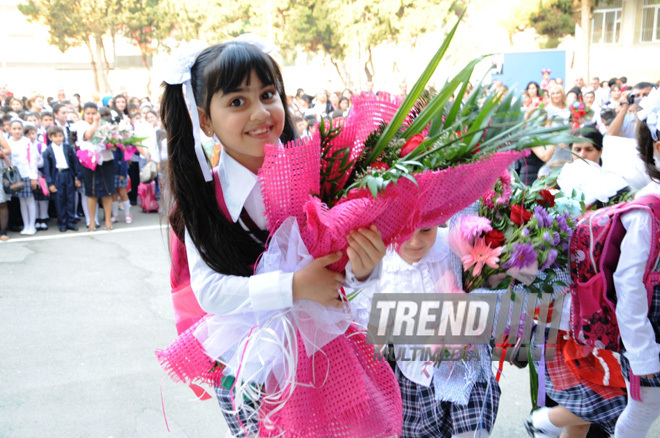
365 250
52 188
77 183
317 283
33 184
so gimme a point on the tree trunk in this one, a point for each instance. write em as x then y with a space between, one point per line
369 62
102 73
145 63
586 37
93 62
343 81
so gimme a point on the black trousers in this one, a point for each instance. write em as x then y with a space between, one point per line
64 197
134 175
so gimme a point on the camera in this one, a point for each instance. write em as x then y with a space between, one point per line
633 99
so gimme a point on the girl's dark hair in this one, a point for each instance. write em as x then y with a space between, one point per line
120 114
538 87
90 105
224 245
645 149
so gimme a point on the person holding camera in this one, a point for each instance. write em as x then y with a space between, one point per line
625 121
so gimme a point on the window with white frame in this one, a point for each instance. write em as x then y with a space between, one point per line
606 22
650 21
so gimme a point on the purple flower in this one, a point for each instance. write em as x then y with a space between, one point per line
550 259
522 255
542 217
556 239
525 232
563 225
548 237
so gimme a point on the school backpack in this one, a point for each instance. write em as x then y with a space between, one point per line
594 255
147 194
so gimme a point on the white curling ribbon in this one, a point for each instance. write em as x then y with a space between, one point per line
260 347
263 44
181 60
199 152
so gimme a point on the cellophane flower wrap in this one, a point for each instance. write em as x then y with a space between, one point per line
116 135
520 235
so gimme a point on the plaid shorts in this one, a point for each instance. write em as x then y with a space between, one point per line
120 183
424 416
249 427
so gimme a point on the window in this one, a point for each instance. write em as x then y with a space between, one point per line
606 22
651 21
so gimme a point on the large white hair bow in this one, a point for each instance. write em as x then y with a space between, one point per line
651 112
178 72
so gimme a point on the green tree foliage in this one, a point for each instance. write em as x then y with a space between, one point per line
555 19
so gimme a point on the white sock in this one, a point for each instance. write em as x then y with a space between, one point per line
541 420
473 434
32 212
638 417
43 209
24 213
115 208
127 207
85 208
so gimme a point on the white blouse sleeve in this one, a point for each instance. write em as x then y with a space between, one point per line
632 301
221 294
34 160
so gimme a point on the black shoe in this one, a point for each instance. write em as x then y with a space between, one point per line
72 227
62 229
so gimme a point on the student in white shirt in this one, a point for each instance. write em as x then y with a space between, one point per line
454 399
237 92
5 154
24 157
639 323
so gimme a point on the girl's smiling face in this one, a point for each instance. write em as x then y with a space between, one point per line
16 130
245 120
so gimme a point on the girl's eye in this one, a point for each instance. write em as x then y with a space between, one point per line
237 102
268 95
425 230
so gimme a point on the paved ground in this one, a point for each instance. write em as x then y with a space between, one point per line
80 317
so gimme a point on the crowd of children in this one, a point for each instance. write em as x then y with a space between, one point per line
46 143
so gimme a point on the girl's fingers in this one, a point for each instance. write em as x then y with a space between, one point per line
354 256
370 251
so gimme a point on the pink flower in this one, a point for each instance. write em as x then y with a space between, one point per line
472 227
480 255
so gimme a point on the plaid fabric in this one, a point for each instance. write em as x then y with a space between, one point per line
120 183
27 190
581 399
654 316
249 428
424 416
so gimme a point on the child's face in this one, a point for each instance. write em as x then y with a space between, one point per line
32 135
46 121
57 138
245 120
32 120
301 126
89 114
413 249
16 131
586 151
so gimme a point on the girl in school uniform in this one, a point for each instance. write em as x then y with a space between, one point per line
24 157
236 94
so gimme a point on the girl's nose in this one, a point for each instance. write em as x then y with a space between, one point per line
259 112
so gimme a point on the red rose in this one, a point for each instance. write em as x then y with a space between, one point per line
547 198
411 144
519 215
494 238
379 165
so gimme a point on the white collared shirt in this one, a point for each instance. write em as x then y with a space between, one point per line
219 293
395 275
26 163
632 305
60 159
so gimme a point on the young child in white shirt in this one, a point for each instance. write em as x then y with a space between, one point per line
456 398
24 157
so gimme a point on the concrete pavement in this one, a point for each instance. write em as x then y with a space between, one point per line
81 315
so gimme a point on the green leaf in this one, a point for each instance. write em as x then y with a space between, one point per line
372 184
412 97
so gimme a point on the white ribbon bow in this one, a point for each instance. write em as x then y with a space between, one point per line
651 112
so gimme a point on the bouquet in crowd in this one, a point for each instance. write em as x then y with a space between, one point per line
578 112
117 135
520 232
400 168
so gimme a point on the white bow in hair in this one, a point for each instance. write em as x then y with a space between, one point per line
181 60
651 111
262 43
178 72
